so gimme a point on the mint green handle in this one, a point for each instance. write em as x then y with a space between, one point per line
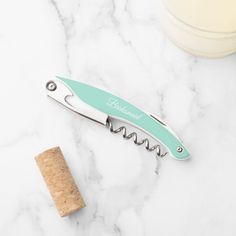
116 107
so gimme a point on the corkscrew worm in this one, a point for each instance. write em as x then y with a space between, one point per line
134 135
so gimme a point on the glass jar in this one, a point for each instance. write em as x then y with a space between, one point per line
201 27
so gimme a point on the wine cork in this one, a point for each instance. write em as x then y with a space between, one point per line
59 181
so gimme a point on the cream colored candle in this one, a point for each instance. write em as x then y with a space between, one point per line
202 27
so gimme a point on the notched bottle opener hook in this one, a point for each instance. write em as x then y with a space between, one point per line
102 107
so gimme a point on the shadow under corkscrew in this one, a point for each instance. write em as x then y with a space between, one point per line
145 141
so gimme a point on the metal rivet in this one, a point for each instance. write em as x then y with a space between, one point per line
51 86
179 149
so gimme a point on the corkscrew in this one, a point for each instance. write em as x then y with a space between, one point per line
103 107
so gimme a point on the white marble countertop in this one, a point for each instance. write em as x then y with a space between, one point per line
119 46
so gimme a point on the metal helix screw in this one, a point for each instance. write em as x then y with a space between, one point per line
134 135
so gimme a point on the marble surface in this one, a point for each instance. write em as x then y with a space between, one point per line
117 45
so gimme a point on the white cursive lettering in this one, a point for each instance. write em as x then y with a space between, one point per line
114 103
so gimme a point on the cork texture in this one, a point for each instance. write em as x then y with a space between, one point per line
60 182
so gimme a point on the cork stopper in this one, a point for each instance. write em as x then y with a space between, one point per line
59 181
